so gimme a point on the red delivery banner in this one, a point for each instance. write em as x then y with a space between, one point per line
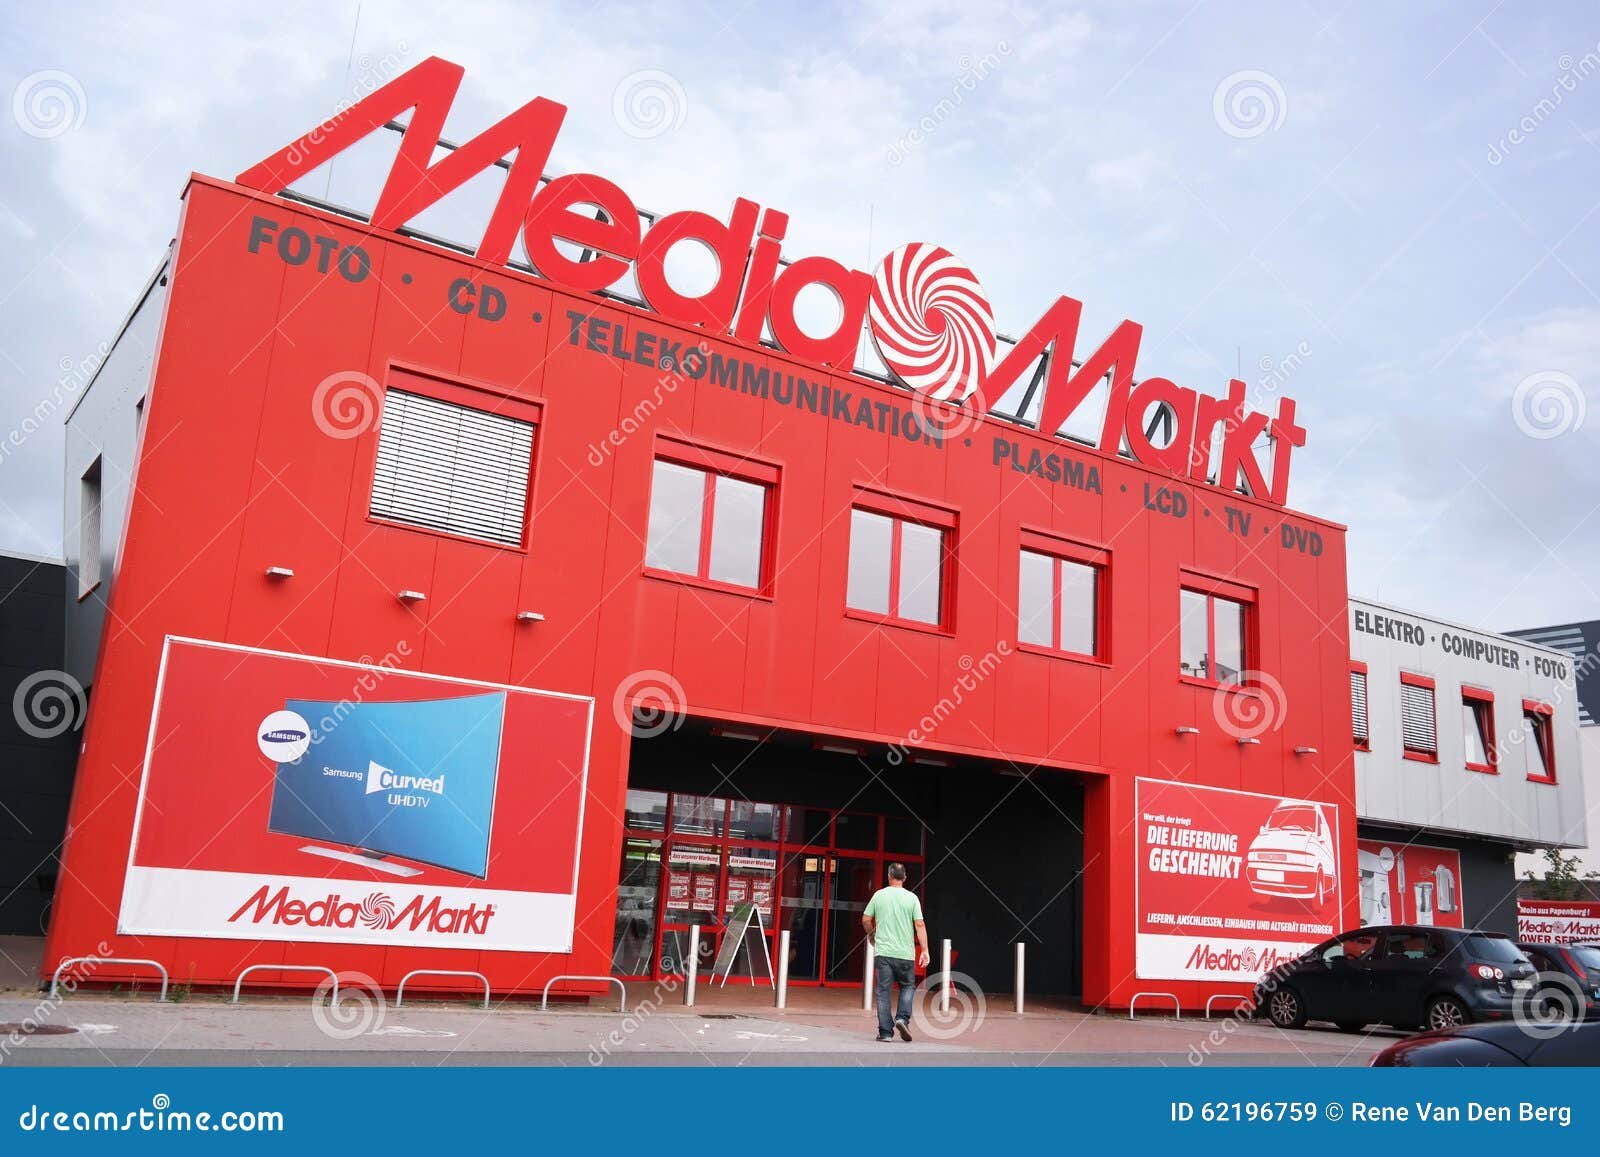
1410 884
291 798
1230 884
1558 921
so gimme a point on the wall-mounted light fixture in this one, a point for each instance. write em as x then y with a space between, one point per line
1187 730
1305 751
1249 739
279 572
411 596
529 617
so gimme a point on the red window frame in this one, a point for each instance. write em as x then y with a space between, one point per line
1359 668
1484 700
714 464
1216 588
901 511
1407 678
1061 550
1542 718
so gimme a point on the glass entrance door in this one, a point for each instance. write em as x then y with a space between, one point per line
805 878
852 882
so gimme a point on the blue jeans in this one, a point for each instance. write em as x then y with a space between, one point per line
890 971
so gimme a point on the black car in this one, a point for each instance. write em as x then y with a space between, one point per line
1496 1046
1402 975
1568 980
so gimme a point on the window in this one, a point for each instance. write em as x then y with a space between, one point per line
1419 735
1538 743
89 529
451 468
1059 597
1214 630
1359 727
1352 947
899 560
709 517
1477 729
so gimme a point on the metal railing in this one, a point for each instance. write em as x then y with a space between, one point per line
332 975
69 960
400 993
544 997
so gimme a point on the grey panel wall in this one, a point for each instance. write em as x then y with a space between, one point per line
105 425
1446 796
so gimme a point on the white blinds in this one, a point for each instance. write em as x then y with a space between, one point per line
450 468
1417 727
1358 706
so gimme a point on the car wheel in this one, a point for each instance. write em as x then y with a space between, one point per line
1447 1012
1350 1025
1285 1008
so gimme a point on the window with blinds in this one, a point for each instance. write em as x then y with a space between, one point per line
1418 728
452 468
1358 708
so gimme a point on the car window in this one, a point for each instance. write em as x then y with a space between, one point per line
1539 960
1351 947
1587 957
1496 949
1408 946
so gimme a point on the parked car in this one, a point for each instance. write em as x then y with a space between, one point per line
1569 978
1292 854
1408 976
1495 1046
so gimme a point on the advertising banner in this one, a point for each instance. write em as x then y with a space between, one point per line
1558 921
1230 883
1410 884
291 798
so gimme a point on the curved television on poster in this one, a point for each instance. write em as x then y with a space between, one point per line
297 798
412 779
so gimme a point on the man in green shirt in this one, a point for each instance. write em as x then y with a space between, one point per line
893 916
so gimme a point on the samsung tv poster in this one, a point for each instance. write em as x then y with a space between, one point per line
291 798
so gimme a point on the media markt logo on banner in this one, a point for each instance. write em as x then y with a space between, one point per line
404 790
377 912
1248 962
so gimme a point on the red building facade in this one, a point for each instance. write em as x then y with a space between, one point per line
769 549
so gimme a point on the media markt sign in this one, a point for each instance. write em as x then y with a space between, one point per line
925 309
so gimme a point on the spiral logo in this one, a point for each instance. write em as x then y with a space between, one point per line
649 103
377 912
160 1101
649 703
48 104
967 1011
1251 713
931 323
1249 103
358 1008
346 404
48 704
1552 1006
1548 404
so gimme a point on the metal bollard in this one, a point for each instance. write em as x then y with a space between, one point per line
783 969
1021 971
869 981
944 970
692 969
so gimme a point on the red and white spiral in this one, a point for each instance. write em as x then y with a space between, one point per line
377 911
931 323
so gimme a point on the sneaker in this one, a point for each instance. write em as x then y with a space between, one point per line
903 1029
881 1039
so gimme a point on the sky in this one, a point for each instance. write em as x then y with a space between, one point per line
1386 211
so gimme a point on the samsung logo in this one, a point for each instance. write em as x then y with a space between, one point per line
283 736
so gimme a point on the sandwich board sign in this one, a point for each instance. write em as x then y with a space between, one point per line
743 930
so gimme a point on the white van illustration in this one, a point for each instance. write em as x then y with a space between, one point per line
1293 854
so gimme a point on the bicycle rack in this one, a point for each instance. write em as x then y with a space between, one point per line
544 997
1177 1008
1243 1000
332 975
156 964
400 993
